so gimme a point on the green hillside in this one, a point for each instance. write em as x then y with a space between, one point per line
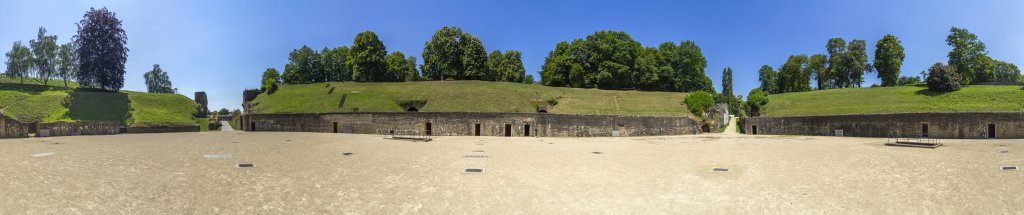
38 103
466 96
907 99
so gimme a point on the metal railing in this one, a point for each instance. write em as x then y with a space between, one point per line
404 134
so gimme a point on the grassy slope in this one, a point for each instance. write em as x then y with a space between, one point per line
37 103
467 96
975 98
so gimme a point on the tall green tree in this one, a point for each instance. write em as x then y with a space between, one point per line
966 49
102 50
495 66
442 58
727 82
44 51
474 58
67 62
19 61
411 73
398 68
332 62
768 78
818 66
794 75
303 67
837 64
512 66
271 78
888 59
687 65
857 60
157 81
366 58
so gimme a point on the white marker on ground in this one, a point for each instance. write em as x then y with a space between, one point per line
43 154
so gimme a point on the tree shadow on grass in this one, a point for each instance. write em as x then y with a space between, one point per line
97 105
27 88
927 92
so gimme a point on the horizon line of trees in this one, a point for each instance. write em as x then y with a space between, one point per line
450 54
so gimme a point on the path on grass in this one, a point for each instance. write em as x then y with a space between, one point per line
225 126
731 128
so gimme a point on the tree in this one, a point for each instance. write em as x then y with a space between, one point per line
474 58
157 81
727 82
366 58
223 111
698 102
528 79
794 75
908 80
333 63
818 66
1007 72
67 62
411 74
398 68
512 69
19 61
496 66
44 50
271 78
441 57
857 61
102 50
837 63
888 59
756 101
687 65
943 78
966 49
303 67
768 78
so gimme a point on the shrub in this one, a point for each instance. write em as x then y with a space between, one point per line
698 102
756 100
943 78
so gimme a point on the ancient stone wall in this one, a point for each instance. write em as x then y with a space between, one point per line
10 128
472 124
78 128
933 125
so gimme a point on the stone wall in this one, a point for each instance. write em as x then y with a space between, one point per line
78 128
939 125
163 129
10 128
466 124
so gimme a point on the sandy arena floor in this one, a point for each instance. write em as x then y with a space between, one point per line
308 173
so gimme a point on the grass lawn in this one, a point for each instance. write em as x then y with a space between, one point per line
38 103
906 99
467 96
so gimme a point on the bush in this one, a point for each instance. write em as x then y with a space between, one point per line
698 102
756 100
943 78
908 80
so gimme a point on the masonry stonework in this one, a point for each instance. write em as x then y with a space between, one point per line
976 125
467 124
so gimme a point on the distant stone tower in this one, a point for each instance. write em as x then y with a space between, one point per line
204 110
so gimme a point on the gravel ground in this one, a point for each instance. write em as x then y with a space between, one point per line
309 173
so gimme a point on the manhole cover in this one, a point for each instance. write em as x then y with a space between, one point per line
1004 151
246 165
287 140
473 171
43 154
1009 168
221 155
478 150
347 153
720 170
597 153
476 156
57 143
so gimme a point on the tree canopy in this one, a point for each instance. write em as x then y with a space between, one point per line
44 51
366 58
102 50
157 81
888 59
19 61
613 60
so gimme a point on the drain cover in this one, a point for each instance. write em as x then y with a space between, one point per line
222 155
720 170
473 171
476 156
287 140
347 153
1009 168
597 153
478 150
246 165
1004 151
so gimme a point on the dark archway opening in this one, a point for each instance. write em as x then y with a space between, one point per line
526 130
508 130
412 109
705 128
335 127
476 130
428 129
252 126
991 131
924 130
753 129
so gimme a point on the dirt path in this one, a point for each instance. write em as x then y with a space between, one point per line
730 130
225 126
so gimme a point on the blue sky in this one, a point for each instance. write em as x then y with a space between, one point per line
221 47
